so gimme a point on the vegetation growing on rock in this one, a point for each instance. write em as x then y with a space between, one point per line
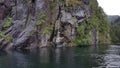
37 23
8 23
6 37
97 24
100 23
115 29
73 2
41 19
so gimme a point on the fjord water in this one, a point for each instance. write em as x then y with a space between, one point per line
71 57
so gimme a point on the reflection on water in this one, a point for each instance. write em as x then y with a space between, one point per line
72 57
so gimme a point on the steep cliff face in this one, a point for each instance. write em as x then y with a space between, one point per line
40 23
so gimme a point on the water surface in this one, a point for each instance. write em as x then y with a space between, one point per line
71 57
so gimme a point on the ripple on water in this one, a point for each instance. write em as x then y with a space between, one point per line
112 57
112 60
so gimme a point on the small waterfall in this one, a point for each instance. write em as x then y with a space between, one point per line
58 38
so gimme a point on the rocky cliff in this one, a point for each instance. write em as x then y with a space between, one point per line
39 23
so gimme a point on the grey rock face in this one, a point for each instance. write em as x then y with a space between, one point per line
25 22
68 22
24 14
21 10
1 1
26 33
67 18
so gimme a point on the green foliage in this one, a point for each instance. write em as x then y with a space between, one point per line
81 41
6 37
53 6
83 38
72 2
41 19
115 31
115 34
8 23
47 30
99 21
1 34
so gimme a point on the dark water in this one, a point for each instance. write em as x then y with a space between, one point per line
74 57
